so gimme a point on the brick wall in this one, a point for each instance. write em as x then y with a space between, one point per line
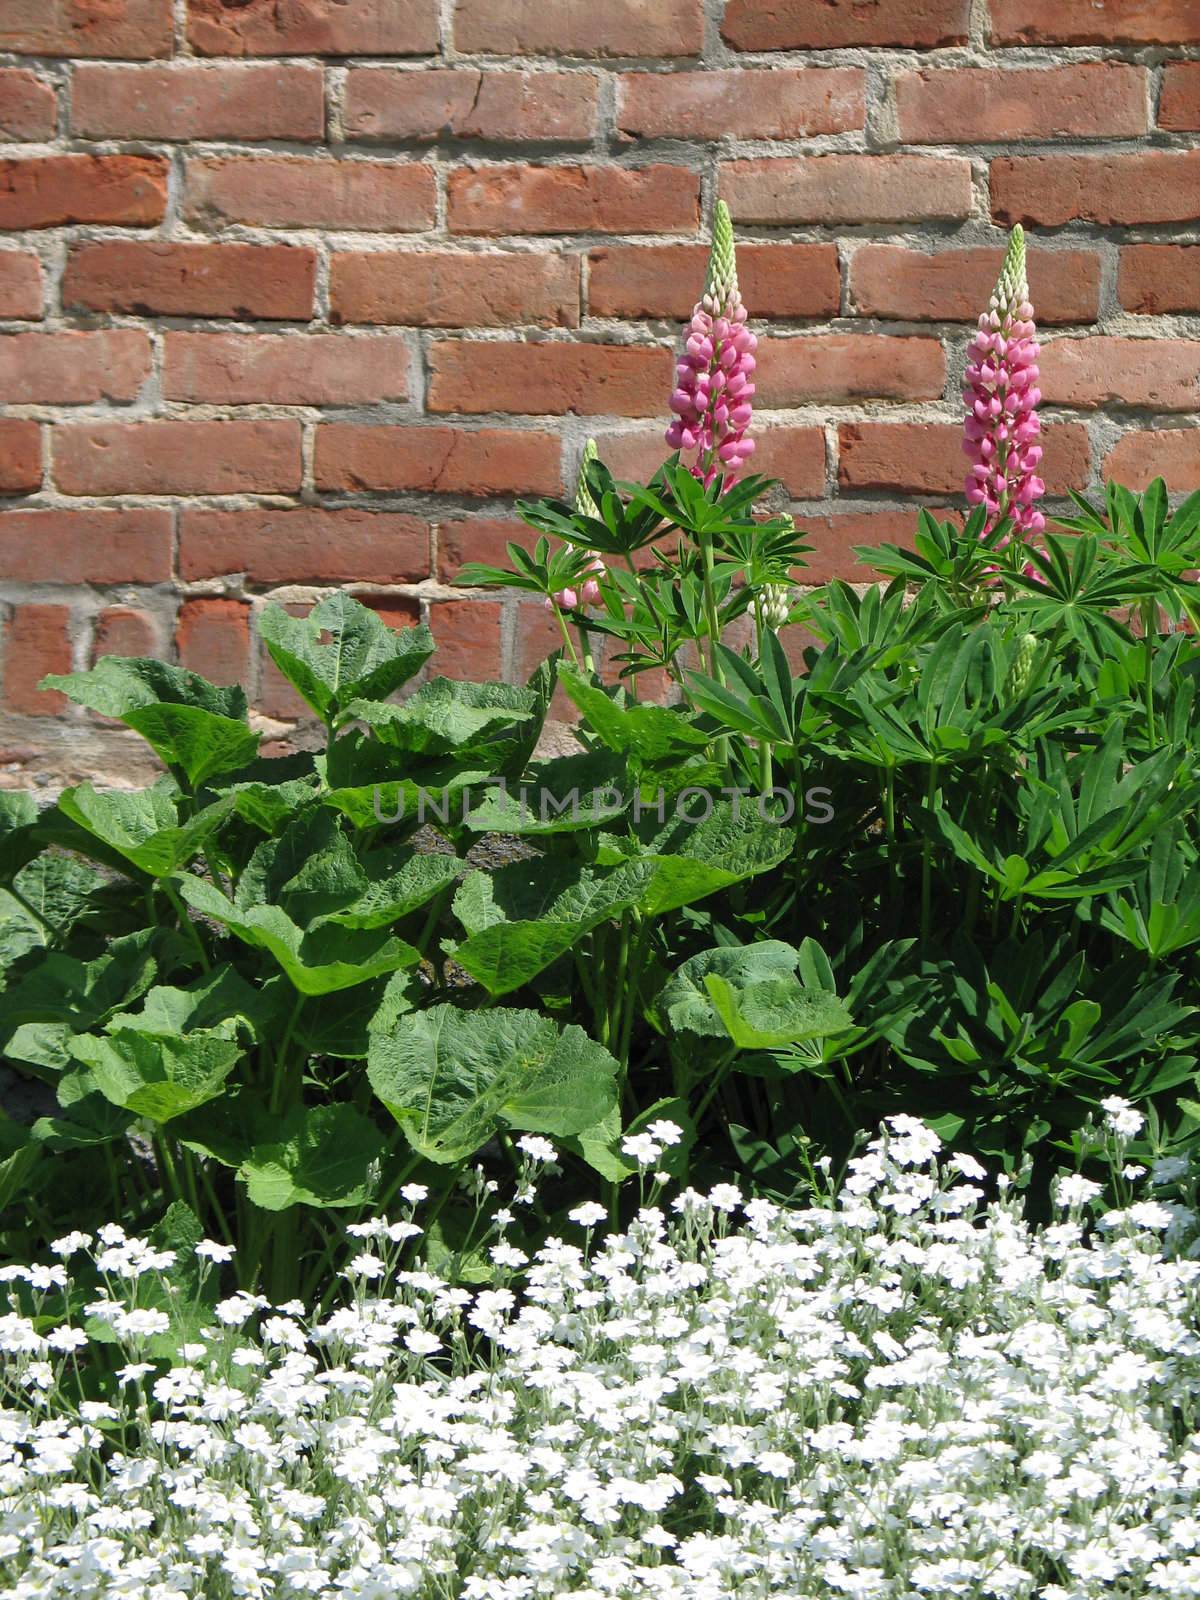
296 294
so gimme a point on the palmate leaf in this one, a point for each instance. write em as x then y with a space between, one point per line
192 725
452 1078
363 659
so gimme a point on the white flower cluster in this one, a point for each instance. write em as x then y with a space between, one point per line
902 1392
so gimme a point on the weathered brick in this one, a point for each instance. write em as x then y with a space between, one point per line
20 456
193 100
666 280
1158 278
47 191
386 103
1172 454
1179 103
467 634
975 105
52 545
20 285
354 456
455 288
550 379
573 199
1085 22
298 369
1146 186
73 368
28 107
157 277
476 539
801 25
313 27
306 545
848 188
133 29
1160 374
793 453
125 631
848 366
213 639
780 103
37 640
927 458
834 536
311 192
177 457
953 285
579 28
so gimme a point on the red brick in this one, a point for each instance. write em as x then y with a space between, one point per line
927 458
386 103
666 280
848 188
476 539
37 640
1149 186
169 457
20 456
795 454
779 103
848 366
292 369
134 29
954 285
801 25
311 192
538 635
156 277
124 631
188 100
20 285
467 634
28 107
973 105
353 456
1161 374
456 288
51 545
1173 454
213 639
573 199
550 379
1158 278
305 545
1085 22
577 28
73 368
1179 103
47 191
313 27
833 539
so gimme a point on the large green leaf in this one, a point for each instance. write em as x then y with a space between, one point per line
220 1002
341 1025
87 1117
684 1004
566 795
20 1153
157 1075
318 962
143 825
323 1157
649 732
309 871
63 991
776 1012
452 1078
191 724
446 717
18 814
399 882
57 889
363 658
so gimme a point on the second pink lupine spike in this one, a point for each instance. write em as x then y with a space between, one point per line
713 395
1001 394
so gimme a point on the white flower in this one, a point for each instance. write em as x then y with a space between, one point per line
367 1266
1072 1189
1121 1117
210 1250
589 1214
968 1166
536 1149
641 1148
665 1131
414 1193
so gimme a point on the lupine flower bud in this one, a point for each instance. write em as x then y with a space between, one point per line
773 605
713 392
584 503
1001 395
1020 669
589 594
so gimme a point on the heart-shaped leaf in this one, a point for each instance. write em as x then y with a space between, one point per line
322 1158
154 1075
142 825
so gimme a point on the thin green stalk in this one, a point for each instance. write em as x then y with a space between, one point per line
566 637
926 862
585 645
185 922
